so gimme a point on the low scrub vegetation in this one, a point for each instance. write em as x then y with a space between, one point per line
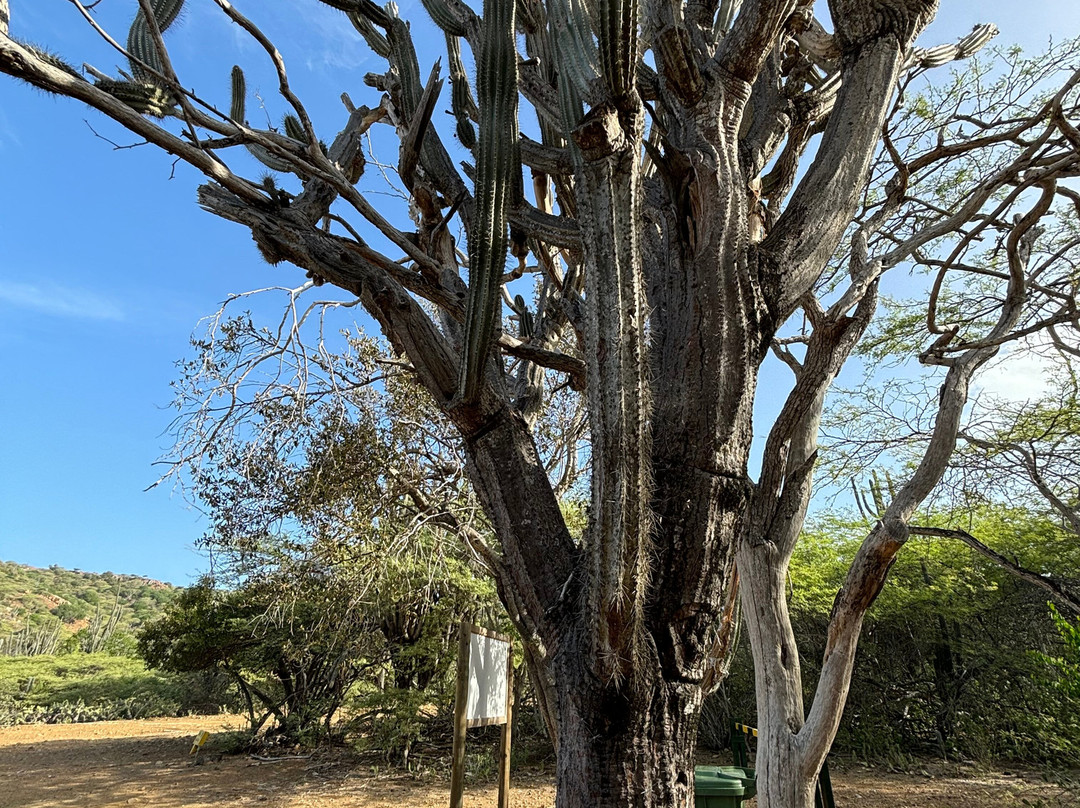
74 688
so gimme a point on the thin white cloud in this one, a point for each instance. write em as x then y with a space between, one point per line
1020 376
334 44
59 301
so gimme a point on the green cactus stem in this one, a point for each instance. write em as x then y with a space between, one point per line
525 318
375 39
497 159
461 99
238 96
140 42
617 39
294 129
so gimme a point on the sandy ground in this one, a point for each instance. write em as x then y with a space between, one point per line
122 763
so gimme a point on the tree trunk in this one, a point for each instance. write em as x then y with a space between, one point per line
625 745
783 781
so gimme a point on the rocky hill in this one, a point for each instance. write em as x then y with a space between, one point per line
55 609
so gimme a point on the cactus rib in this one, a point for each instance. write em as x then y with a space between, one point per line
140 43
294 129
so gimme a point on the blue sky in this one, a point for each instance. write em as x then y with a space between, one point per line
107 264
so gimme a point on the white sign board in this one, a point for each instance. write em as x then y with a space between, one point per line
488 663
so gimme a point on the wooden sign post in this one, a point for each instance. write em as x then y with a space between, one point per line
484 696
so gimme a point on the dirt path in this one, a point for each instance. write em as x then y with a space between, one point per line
121 763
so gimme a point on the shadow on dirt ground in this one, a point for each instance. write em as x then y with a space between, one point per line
122 763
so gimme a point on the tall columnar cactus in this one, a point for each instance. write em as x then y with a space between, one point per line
659 294
497 160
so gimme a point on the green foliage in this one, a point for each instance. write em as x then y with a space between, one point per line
334 535
1067 663
958 658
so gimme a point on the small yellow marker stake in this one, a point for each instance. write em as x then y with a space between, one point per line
200 739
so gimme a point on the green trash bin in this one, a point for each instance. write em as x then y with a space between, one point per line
746 775
712 789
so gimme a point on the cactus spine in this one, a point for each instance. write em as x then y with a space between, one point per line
497 159
49 57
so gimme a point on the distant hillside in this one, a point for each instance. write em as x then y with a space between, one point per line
62 609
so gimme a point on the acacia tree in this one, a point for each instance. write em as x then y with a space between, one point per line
697 216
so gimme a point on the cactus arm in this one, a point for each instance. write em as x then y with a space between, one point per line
366 8
497 160
141 44
293 128
146 99
375 38
525 318
238 96
439 169
617 39
237 106
577 59
675 54
445 17
461 99
148 92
